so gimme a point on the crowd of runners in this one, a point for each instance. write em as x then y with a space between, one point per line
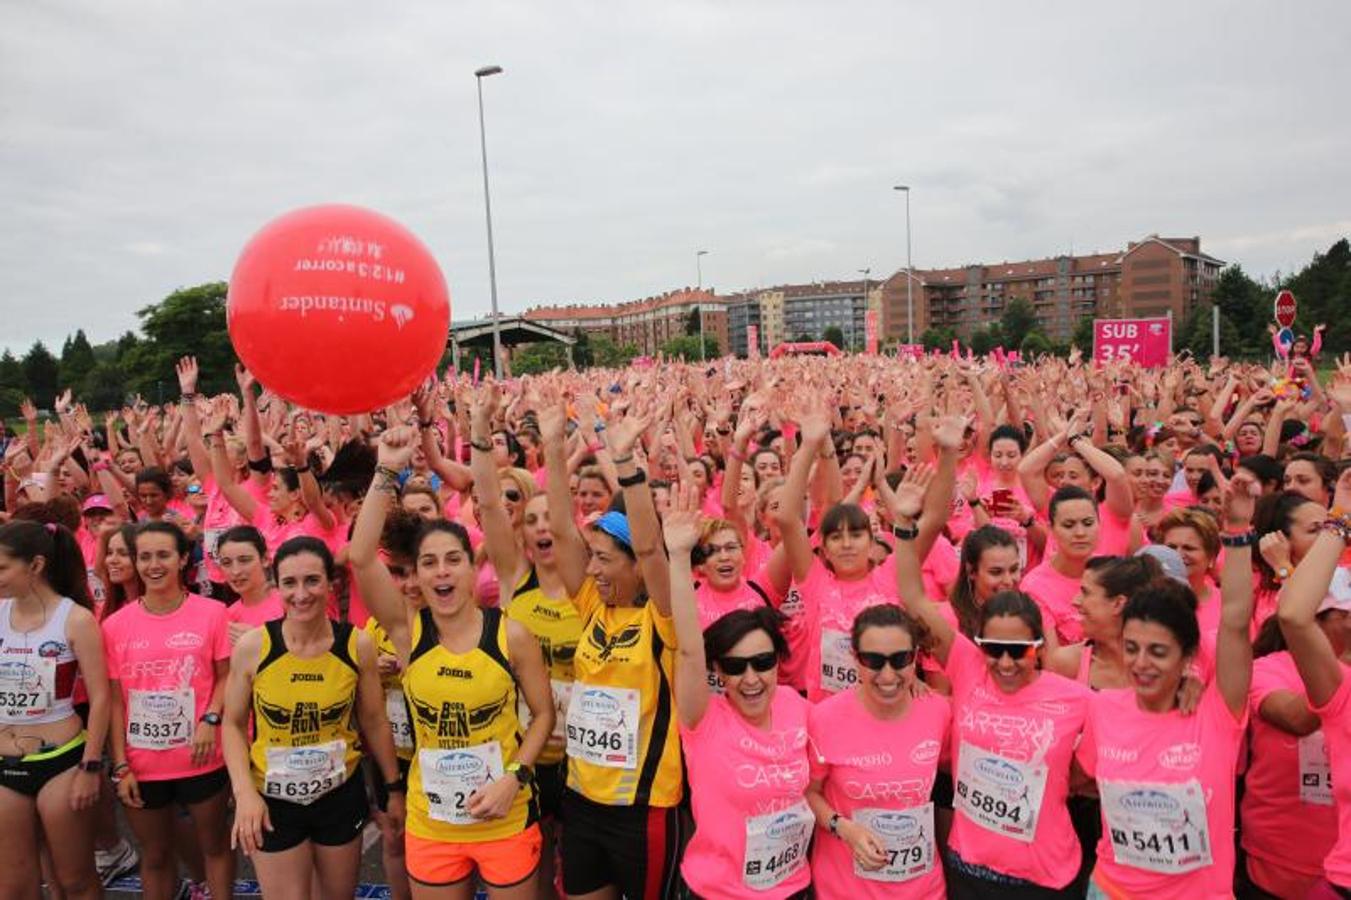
853 627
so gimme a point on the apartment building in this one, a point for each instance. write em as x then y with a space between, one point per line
646 324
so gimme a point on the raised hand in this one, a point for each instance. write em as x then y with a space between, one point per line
1240 498
187 374
949 430
680 525
396 448
623 434
244 378
907 499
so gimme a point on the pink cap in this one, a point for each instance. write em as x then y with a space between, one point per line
97 501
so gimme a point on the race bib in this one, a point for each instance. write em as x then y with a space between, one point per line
160 720
561 692
839 670
1157 827
999 794
907 834
1315 772
603 726
450 777
26 687
304 774
210 539
776 846
396 710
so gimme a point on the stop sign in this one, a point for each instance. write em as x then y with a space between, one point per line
1285 309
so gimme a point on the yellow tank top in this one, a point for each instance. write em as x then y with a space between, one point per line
556 625
623 744
305 740
466 731
396 705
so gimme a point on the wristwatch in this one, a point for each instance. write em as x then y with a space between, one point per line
1282 573
210 718
835 824
523 773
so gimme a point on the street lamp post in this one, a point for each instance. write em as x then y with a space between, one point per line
479 75
699 274
865 273
909 272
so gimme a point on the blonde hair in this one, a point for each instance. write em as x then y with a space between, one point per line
1203 523
523 480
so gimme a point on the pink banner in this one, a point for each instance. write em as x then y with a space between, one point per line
910 351
1146 342
870 330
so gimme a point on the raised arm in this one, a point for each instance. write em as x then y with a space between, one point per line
499 538
192 425
252 426
792 523
1233 649
1119 498
642 513
570 549
681 529
906 502
1301 596
383 597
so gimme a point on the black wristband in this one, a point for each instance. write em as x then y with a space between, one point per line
904 534
631 480
481 446
1246 539
301 470
261 466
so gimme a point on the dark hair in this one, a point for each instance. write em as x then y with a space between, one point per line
515 455
442 526
1206 450
62 509
1326 468
181 542
63 563
1270 639
842 516
1118 576
1009 433
156 476
301 546
243 534
417 487
1017 605
1264 468
728 630
183 465
1169 603
399 537
289 478
1275 512
763 449
963 595
888 615
117 596
1065 494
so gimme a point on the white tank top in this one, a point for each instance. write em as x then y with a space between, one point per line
37 668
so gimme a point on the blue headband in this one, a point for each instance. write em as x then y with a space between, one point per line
616 525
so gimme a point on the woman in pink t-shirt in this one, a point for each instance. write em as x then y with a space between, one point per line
1288 523
745 749
1324 675
1166 780
1070 458
875 753
1055 583
168 655
1014 730
1196 537
243 559
723 584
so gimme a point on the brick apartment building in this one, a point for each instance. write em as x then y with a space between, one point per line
646 324
1151 277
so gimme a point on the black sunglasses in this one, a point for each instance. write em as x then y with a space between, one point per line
736 665
875 661
512 496
1015 649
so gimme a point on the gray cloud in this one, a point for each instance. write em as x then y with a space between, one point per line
142 142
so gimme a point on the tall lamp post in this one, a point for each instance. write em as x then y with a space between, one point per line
699 274
479 75
909 272
852 338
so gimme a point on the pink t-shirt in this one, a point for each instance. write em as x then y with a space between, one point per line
747 788
1011 789
260 613
713 604
1289 821
871 765
165 668
1336 716
1167 786
940 568
1055 595
829 607
220 517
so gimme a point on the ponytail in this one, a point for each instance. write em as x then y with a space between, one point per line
63 564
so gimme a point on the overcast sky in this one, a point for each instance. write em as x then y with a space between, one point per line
141 143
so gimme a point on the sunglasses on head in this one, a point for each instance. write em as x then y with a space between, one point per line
875 661
511 495
1014 649
736 665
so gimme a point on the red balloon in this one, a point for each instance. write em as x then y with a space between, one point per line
338 309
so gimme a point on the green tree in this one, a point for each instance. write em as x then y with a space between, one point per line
533 359
609 355
1083 336
582 355
1017 322
42 375
1245 308
1323 291
77 361
1035 343
687 347
835 335
938 338
1196 335
188 321
13 384
984 340
692 322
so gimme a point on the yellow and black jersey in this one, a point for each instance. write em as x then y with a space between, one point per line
556 625
465 729
305 739
623 744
